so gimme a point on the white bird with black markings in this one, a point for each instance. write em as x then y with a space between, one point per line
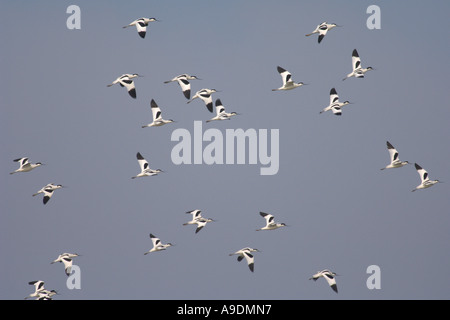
38 288
221 114
198 220
424 178
141 25
25 165
288 83
322 30
247 254
358 70
329 276
395 160
126 80
66 259
183 81
205 95
335 106
157 116
46 294
157 245
48 191
270 222
145 167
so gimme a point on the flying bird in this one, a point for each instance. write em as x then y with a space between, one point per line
38 288
157 245
205 95
322 30
141 25
221 114
270 222
48 191
145 168
198 220
335 106
126 80
66 259
183 81
358 70
329 276
247 254
157 116
395 160
425 180
25 165
288 83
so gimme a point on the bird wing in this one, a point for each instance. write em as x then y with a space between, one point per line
22 161
331 280
185 86
286 76
334 98
250 260
129 85
269 218
156 111
422 173
323 29
356 61
156 241
67 265
219 107
141 28
206 97
47 195
393 153
200 224
142 162
336 110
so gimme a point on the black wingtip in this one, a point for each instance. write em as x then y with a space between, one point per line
355 53
334 287
139 156
142 34
218 102
210 107
187 94
45 200
251 267
132 93
417 166
333 91
280 69
320 38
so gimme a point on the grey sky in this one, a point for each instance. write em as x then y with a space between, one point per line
343 212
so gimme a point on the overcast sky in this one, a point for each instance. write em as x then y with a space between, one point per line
343 213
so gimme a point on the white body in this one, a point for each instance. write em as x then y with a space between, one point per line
270 222
247 254
288 83
358 70
322 30
393 156
145 168
425 180
329 276
157 116
25 165
157 245
221 114
183 81
335 106
205 95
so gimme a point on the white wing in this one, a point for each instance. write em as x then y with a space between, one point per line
393 153
356 61
269 218
422 173
334 98
156 241
141 28
185 86
250 260
285 75
156 111
67 265
142 162
129 85
219 107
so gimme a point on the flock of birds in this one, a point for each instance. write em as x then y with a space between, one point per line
183 80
